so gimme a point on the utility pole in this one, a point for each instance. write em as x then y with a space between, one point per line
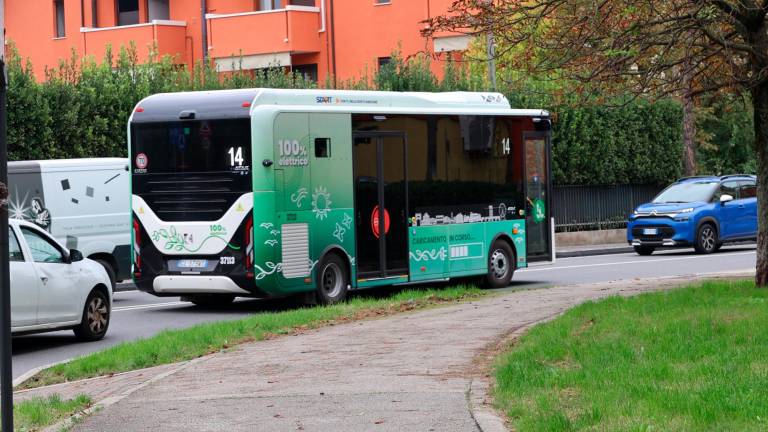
491 51
204 29
6 374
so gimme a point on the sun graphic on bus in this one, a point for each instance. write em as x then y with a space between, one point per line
321 202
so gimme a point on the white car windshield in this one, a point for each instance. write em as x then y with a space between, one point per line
687 192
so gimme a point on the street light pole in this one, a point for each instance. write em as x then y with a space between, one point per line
491 60
491 50
6 374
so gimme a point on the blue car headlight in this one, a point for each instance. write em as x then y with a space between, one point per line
683 215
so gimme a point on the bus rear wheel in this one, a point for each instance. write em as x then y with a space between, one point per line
332 280
501 265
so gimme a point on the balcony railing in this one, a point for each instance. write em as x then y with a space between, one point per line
166 37
293 29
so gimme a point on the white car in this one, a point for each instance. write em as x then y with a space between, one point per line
53 288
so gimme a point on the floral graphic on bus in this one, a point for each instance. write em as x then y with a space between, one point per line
179 242
339 232
321 202
347 222
273 232
429 255
299 196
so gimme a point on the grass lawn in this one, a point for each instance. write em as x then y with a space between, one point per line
688 359
172 346
36 414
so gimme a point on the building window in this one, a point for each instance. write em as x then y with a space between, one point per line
378 2
59 29
270 4
310 3
383 61
308 71
158 10
127 12
94 13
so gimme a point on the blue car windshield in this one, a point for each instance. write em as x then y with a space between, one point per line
687 192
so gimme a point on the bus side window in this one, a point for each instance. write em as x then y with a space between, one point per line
322 147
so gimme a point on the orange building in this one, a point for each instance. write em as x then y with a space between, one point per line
320 38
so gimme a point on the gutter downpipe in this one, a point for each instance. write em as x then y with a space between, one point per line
204 28
322 15
333 45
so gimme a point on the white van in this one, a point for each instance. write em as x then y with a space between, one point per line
83 203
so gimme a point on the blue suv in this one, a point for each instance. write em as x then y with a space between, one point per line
703 212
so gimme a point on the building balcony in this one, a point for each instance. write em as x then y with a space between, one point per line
165 37
253 40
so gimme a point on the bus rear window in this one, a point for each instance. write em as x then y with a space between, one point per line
191 146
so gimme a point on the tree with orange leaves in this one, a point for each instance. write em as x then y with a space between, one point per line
648 48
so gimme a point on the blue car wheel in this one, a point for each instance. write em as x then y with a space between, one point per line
706 239
644 250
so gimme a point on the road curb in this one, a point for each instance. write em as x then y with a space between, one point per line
125 286
486 418
594 252
480 403
26 376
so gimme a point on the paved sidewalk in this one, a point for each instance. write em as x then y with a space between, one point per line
408 372
591 250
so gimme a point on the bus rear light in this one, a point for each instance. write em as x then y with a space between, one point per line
249 243
139 109
246 104
137 247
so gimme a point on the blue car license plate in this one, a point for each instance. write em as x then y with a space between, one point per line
193 263
650 231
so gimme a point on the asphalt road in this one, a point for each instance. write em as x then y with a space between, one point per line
137 315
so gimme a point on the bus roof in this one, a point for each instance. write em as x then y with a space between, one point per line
220 104
84 164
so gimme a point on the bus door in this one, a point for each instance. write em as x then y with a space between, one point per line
381 205
537 195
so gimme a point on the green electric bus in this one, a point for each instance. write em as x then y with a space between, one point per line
265 192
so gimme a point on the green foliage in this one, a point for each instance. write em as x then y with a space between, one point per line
637 143
82 108
726 136
406 75
38 413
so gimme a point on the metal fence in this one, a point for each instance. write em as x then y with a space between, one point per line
582 208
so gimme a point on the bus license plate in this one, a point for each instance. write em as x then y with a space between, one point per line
193 263
651 231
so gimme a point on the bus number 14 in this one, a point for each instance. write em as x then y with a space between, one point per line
235 156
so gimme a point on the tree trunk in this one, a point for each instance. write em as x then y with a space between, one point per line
689 136
760 104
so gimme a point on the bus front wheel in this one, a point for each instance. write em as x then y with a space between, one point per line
332 280
501 265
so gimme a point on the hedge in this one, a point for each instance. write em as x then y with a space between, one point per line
81 110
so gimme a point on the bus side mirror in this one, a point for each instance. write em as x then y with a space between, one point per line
267 163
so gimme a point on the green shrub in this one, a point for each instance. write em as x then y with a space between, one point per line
82 107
